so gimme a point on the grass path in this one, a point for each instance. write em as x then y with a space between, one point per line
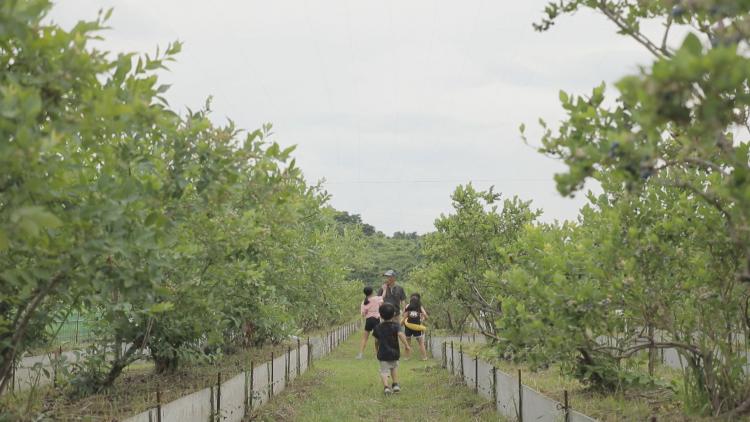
340 388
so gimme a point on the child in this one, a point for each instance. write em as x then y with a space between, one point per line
387 335
369 310
415 314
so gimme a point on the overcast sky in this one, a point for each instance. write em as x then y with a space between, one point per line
393 103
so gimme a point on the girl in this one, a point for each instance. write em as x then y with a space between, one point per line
415 314
369 310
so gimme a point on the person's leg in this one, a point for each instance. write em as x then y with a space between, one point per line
422 349
363 343
394 377
384 378
408 341
384 369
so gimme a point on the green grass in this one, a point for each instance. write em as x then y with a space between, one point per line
340 388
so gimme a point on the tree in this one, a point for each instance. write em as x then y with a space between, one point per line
183 237
677 124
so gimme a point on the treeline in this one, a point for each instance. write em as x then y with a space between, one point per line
659 260
181 237
400 252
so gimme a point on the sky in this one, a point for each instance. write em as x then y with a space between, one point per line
392 103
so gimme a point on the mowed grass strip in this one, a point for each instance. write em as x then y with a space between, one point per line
341 388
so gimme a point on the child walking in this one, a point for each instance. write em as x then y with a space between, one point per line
369 310
387 335
415 314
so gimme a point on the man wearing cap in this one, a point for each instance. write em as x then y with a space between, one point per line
391 292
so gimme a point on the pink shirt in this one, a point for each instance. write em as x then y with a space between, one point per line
371 309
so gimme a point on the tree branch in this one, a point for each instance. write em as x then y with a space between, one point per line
650 46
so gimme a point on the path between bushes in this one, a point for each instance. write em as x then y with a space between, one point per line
341 388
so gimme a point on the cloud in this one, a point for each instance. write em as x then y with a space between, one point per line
393 102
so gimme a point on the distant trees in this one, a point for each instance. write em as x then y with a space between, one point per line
401 252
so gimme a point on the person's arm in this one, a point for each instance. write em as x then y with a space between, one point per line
424 314
402 337
362 309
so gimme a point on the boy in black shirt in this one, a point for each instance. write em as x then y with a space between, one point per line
387 335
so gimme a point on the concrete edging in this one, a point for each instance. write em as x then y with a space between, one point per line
236 398
507 391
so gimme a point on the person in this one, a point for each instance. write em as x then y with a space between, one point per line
370 311
414 313
387 336
391 292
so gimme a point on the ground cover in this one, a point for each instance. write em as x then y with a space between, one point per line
342 388
660 401
135 391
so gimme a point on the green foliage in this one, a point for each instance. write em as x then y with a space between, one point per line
660 259
669 236
400 252
467 250
181 236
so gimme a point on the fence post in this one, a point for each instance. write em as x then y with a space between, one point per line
55 364
476 374
566 406
461 356
309 353
252 386
245 397
453 366
269 365
299 365
288 364
520 398
158 402
445 356
211 408
273 380
494 385
218 397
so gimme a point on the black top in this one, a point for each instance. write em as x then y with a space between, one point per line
395 295
387 335
413 316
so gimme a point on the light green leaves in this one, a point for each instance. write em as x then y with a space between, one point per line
32 220
692 45
162 307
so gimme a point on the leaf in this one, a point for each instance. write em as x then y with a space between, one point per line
161 307
692 45
33 219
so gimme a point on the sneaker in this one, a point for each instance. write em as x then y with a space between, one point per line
359 356
396 388
387 391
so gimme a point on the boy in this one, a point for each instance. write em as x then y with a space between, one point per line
387 335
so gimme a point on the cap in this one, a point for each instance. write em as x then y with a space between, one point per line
389 273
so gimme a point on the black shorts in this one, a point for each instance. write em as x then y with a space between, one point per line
371 323
412 333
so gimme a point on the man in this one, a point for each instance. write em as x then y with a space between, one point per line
393 293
